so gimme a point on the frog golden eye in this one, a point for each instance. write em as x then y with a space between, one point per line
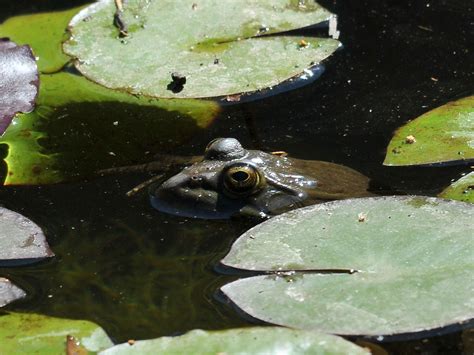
242 179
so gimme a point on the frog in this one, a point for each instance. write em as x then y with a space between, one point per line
231 181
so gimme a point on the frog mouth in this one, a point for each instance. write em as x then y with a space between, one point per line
198 203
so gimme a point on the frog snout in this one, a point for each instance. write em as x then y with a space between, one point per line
170 188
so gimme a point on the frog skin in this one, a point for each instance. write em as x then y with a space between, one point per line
231 181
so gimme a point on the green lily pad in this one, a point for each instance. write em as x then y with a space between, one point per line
445 134
395 265
37 334
79 127
44 32
257 340
213 44
9 292
21 240
461 190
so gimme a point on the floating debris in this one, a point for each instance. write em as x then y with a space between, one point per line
303 44
362 217
410 139
118 19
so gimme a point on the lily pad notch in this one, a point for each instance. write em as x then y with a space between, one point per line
221 48
19 81
413 257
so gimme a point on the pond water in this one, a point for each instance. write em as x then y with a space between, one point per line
142 274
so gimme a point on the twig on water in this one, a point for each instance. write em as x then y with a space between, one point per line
144 185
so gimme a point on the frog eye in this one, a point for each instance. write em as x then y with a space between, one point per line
242 179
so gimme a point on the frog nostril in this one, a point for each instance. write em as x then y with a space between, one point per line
195 180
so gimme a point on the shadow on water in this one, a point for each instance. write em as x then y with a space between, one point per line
79 139
112 128
141 274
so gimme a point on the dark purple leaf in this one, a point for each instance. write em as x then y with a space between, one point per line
9 292
19 81
21 240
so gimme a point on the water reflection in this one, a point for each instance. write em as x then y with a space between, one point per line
134 271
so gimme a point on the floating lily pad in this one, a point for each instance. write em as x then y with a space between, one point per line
461 190
21 240
80 127
445 134
396 265
261 340
9 292
212 44
37 334
44 32
18 81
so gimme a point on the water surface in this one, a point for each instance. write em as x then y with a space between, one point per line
142 274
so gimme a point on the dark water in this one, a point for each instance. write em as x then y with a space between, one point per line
141 274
